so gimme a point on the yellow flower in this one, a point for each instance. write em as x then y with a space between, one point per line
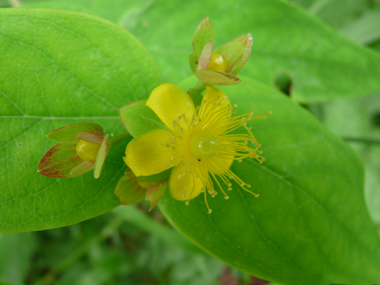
199 143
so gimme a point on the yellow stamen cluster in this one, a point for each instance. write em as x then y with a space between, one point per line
205 148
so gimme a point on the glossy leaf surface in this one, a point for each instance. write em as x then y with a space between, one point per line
310 224
59 68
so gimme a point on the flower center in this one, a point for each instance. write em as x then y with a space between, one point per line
204 145
87 150
218 62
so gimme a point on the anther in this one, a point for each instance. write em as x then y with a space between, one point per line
187 203
209 211
226 197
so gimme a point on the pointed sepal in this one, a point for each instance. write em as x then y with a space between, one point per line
101 157
82 168
155 193
204 58
90 137
132 190
59 161
236 52
129 190
203 34
69 133
210 77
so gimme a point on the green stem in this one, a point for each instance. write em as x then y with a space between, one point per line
200 86
115 140
317 6
362 140
105 233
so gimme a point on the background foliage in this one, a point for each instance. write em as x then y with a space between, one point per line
126 246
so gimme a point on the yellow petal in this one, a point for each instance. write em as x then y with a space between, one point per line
172 105
151 153
218 164
215 111
184 185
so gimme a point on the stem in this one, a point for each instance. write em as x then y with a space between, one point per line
317 6
362 140
115 140
105 233
200 86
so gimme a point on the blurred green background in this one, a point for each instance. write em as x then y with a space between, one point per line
133 246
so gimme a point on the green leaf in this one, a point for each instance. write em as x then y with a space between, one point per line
322 64
310 224
138 119
365 30
59 68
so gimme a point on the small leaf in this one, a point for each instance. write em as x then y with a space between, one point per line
236 52
203 34
69 133
155 193
211 77
59 160
128 189
101 156
82 168
138 118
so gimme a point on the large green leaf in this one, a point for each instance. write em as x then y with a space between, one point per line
310 224
322 64
59 68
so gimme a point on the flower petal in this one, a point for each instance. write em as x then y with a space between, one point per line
151 153
82 168
128 189
218 164
68 133
236 52
170 103
59 160
203 34
101 157
205 56
155 193
215 111
184 185
210 77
